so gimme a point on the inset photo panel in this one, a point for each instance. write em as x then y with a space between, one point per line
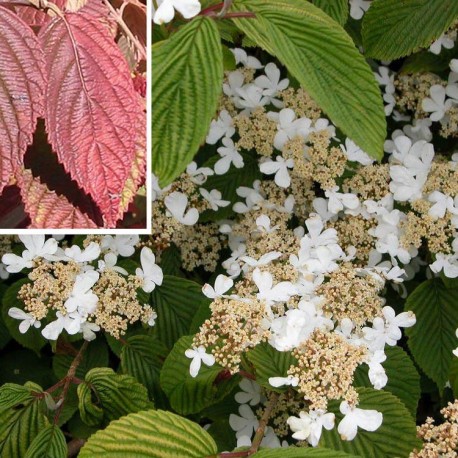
73 116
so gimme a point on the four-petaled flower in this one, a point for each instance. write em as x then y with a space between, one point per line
199 356
150 272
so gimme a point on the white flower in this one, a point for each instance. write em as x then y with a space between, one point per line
223 126
310 425
27 319
150 272
109 262
229 155
280 292
251 392
355 153
290 380
250 96
280 168
245 424
235 81
369 420
271 83
166 10
152 319
36 246
446 262
70 322
384 78
263 224
339 201
377 374
301 426
123 245
90 253
289 127
214 198
442 42
454 65
241 57
442 203
198 175
436 104
264 260
89 329
82 299
199 356
358 8
176 203
222 285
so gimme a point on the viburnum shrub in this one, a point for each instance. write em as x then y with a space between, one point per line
298 294
72 113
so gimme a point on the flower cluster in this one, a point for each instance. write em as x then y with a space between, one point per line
82 290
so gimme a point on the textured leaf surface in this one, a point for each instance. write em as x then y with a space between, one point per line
48 209
393 28
22 86
433 338
116 395
176 302
150 434
337 9
191 394
21 418
300 452
92 109
323 58
49 443
269 362
403 378
186 84
396 437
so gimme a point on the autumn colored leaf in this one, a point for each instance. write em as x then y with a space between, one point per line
22 86
47 209
92 109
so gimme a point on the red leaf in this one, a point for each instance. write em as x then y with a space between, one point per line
48 210
92 109
22 86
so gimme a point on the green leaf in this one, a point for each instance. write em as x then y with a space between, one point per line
393 29
32 338
396 437
191 394
300 452
171 261
186 85
96 355
150 434
176 301
403 378
142 357
432 338
323 58
21 418
112 394
228 183
454 376
337 9
269 362
426 61
49 443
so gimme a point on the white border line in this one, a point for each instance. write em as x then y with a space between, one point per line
148 184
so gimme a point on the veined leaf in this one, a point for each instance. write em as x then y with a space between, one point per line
92 108
337 9
323 58
22 85
49 443
150 434
433 338
269 362
48 209
191 394
21 418
393 29
395 438
176 302
403 378
187 82
112 394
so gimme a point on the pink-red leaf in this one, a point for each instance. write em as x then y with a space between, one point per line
22 86
92 109
48 210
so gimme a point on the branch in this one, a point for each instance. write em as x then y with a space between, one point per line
117 14
259 431
74 446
